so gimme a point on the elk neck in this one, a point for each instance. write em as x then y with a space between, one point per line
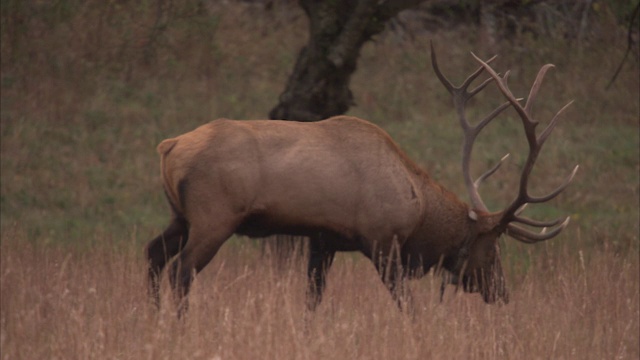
448 228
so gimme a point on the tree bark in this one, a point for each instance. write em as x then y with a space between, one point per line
318 88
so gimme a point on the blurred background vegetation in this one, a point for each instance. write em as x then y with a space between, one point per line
89 88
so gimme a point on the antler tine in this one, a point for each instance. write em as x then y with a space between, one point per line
497 111
490 172
556 192
479 88
554 121
533 93
530 237
443 79
537 223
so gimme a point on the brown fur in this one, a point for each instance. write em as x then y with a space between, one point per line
342 181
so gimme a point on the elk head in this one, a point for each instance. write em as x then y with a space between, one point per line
477 267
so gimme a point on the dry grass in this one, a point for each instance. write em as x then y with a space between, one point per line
84 105
60 303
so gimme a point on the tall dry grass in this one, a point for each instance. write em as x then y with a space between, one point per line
61 303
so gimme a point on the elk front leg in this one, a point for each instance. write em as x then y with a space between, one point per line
320 260
394 279
393 275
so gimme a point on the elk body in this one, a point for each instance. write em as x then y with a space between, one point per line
345 184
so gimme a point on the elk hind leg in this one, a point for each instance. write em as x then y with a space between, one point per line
160 250
203 245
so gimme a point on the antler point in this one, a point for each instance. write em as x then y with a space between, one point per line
573 173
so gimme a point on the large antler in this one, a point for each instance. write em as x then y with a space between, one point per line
511 215
461 95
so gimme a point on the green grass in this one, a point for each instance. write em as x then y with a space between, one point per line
78 153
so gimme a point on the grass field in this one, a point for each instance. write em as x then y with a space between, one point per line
89 304
82 112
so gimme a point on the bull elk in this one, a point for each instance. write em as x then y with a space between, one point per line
345 184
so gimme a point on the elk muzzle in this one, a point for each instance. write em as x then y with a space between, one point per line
492 285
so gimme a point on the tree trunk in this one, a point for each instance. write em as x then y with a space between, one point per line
318 88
